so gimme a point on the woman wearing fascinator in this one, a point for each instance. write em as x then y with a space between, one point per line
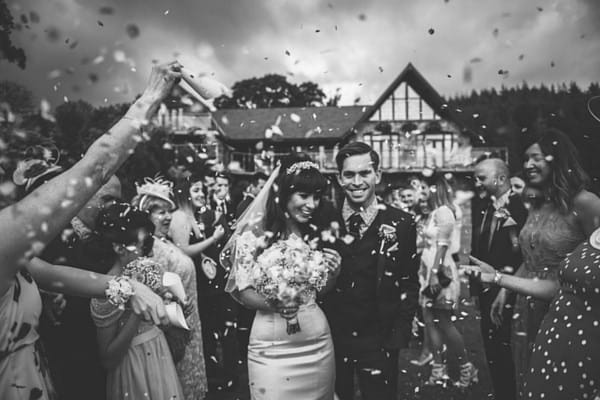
278 268
154 196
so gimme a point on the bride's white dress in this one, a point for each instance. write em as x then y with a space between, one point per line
299 366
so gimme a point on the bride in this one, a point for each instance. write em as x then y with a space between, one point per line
290 353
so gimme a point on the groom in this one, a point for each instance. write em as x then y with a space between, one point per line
371 308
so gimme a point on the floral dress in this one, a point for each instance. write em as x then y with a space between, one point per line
23 373
191 368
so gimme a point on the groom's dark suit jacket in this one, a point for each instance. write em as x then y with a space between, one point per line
376 293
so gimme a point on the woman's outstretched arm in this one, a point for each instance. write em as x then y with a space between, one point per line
28 225
79 282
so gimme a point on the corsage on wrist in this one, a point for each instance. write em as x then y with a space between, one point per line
497 278
118 291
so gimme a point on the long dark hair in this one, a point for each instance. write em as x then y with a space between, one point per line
307 180
567 177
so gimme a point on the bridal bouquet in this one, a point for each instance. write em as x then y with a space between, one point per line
288 271
166 284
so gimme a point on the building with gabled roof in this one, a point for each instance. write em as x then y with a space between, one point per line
409 125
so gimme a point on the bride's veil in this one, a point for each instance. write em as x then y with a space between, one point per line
251 220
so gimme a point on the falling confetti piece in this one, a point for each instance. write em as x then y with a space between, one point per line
431 31
34 17
287 53
132 31
362 17
295 117
552 64
166 12
52 34
100 23
380 69
495 32
106 10
540 9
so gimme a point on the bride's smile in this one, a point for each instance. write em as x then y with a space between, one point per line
301 206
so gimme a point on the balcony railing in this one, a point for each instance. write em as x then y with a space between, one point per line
401 160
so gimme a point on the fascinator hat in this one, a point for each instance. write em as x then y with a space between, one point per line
155 187
253 220
40 161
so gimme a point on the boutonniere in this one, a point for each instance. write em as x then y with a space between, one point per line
387 233
504 217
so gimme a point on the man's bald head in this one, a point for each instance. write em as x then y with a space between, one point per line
493 176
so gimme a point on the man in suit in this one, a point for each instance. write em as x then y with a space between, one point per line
497 221
220 201
256 184
371 308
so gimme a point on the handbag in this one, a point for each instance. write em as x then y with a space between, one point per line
177 339
442 278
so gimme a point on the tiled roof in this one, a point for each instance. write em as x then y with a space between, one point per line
293 122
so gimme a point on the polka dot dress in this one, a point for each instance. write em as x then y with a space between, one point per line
565 363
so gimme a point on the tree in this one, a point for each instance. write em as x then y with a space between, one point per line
17 96
272 91
8 51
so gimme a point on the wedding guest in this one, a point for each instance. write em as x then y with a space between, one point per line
256 184
371 308
283 363
154 197
220 201
34 221
496 227
135 353
197 232
517 184
564 216
565 356
440 287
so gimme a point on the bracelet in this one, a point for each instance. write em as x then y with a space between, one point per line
497 278
118 291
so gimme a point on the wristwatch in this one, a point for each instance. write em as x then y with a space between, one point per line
497 278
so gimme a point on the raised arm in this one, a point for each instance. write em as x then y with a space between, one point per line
30 224
180 232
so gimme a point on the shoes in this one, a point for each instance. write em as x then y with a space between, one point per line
468 375
422 360
439 375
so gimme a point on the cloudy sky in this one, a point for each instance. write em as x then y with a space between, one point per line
102 50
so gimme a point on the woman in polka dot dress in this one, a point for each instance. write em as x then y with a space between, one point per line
565 363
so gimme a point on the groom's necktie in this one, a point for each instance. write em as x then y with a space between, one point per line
354 223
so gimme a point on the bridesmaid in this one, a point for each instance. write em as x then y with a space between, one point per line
557 223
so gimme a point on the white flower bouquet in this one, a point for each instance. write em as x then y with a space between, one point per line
287 272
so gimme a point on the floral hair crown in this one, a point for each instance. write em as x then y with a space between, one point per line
155 187
299 166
